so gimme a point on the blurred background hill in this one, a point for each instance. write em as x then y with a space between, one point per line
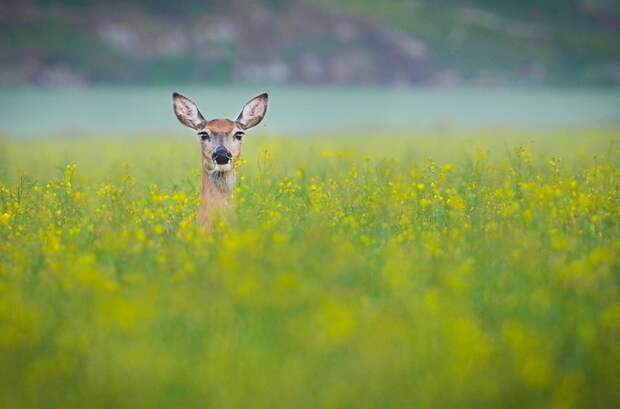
282 42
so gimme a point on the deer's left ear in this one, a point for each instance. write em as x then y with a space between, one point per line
253 112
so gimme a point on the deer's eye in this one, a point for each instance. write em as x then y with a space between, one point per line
239 135
204 136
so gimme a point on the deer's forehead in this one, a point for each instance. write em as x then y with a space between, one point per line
221 125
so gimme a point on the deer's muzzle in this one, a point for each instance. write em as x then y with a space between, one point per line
221 155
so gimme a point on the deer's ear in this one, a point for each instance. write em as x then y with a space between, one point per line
253 112
187 112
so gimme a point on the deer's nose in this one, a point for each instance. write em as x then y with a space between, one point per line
221 155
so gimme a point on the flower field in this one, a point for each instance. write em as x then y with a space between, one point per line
431 270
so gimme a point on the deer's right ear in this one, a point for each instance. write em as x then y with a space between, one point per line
187 112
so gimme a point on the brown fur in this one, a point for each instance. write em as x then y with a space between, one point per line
220 126
214 201
218 180
217 186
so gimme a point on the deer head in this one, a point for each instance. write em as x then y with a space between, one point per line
220 139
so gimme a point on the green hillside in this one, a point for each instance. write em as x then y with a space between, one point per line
309 42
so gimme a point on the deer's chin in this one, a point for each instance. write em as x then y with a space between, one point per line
222 168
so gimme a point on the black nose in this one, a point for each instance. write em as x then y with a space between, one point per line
222 156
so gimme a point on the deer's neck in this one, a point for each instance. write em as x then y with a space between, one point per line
215 195
218 183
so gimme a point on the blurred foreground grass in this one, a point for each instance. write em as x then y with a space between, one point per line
466 270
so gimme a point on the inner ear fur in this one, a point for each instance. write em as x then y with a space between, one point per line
187 111
253 112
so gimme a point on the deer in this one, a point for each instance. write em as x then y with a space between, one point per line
220 142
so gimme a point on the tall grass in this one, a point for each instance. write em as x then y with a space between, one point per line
378 271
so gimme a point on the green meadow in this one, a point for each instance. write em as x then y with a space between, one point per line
438 269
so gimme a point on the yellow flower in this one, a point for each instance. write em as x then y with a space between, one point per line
5 218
